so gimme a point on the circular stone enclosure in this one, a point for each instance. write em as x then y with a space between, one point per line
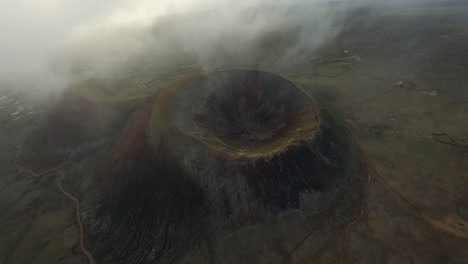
244 113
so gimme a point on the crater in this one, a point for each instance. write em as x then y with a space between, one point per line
244 113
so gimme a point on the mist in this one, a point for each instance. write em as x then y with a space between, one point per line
49 43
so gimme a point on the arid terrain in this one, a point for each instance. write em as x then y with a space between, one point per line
396 79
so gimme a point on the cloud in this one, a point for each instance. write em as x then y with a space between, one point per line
47 43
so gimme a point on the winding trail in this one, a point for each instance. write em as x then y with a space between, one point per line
32 173
67 194
20 168
78 219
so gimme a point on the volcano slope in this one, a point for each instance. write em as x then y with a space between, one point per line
86 117
224 159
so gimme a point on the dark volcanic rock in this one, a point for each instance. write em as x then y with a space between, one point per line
214 154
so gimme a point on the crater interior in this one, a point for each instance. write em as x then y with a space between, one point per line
244 112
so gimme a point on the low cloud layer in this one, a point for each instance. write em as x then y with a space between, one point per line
47 43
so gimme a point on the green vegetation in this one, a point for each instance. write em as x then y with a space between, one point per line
111 89
332 69
320 88
408 85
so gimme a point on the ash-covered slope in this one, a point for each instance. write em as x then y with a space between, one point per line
86 116
216 153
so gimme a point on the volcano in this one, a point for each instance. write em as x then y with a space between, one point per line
217 151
